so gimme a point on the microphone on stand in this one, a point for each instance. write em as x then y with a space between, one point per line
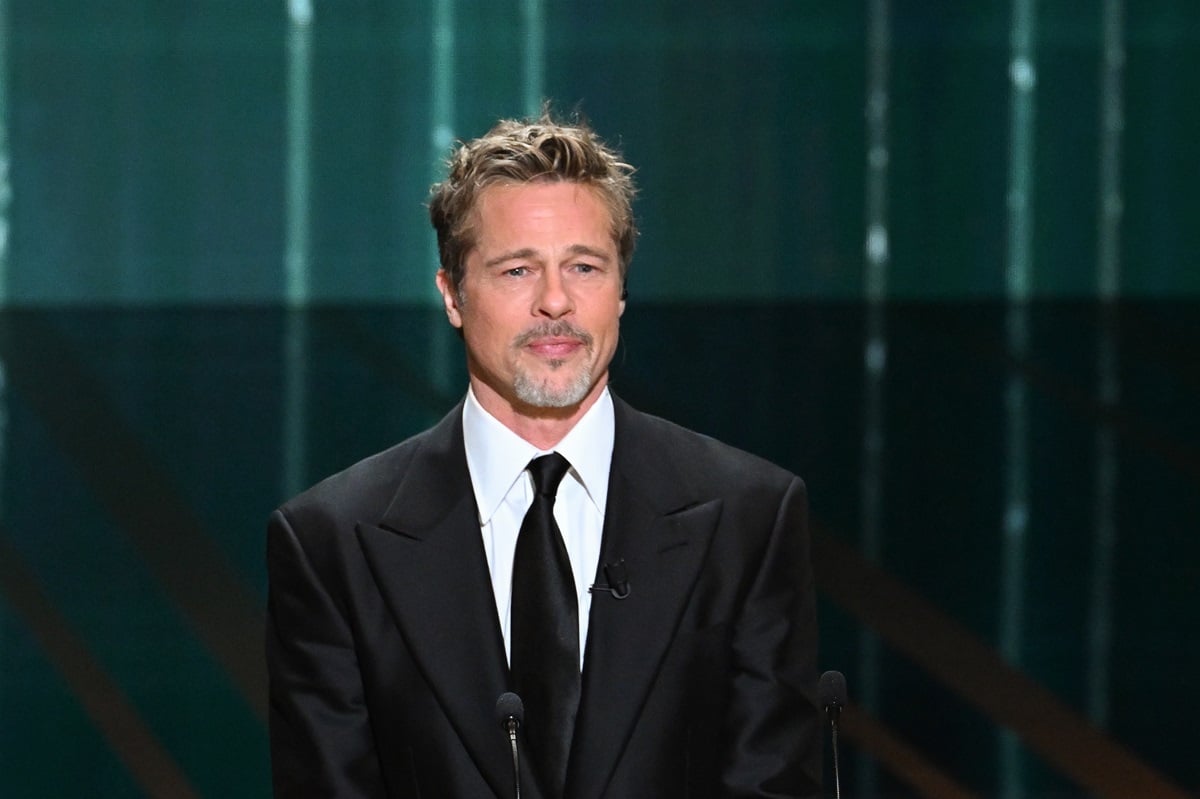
831 692
510 711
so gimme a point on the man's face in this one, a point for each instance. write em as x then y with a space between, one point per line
540 298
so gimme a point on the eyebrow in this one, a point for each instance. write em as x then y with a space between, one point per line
583 249
529 252
513 255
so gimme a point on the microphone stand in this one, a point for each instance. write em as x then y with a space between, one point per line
831 692
511 725
511 712
834 712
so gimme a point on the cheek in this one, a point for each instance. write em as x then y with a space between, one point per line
609 333
485 335
615 314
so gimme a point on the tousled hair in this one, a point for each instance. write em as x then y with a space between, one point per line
528 151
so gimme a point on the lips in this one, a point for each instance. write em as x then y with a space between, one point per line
555 347
556 340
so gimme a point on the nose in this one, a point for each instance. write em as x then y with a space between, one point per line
553 298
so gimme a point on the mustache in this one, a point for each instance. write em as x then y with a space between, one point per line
556 329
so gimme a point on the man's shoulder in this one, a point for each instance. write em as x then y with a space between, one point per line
698 454
367 486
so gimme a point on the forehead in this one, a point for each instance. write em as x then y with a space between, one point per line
541 206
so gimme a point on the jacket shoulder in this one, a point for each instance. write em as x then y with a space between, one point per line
363 490
697 457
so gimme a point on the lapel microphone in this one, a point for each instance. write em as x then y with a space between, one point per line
510 711
618 581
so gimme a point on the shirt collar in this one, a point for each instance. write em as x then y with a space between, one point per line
496 456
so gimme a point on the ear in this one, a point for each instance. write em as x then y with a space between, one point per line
449 298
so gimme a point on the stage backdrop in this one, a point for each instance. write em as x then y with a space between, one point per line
938 258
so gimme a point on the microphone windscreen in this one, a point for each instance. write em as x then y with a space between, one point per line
831 690
510 706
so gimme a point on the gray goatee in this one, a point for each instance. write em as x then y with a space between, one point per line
541 394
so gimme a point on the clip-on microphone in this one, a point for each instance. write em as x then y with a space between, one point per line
618 581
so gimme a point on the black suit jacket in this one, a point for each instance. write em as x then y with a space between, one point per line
386 657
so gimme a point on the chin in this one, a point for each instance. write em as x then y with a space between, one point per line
551 394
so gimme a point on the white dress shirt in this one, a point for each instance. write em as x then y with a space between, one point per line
497 459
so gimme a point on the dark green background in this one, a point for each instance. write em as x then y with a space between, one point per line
155 390
148 144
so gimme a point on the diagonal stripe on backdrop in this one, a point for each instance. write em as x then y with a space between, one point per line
148 762
974 670
139 495
906 763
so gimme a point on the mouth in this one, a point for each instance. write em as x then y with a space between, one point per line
554 342
555 347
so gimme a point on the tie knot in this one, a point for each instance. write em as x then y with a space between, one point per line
547 472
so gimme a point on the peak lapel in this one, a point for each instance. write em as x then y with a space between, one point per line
428 561
663 542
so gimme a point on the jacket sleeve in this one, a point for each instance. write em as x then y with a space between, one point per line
321 741
773 726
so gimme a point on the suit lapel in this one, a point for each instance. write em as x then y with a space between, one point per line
428 560
663 536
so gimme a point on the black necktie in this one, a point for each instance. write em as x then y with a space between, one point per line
545 629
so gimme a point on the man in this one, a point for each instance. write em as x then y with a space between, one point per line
654 609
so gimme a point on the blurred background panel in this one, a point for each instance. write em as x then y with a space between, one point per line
938 258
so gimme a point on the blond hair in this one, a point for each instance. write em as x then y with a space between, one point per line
530 151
